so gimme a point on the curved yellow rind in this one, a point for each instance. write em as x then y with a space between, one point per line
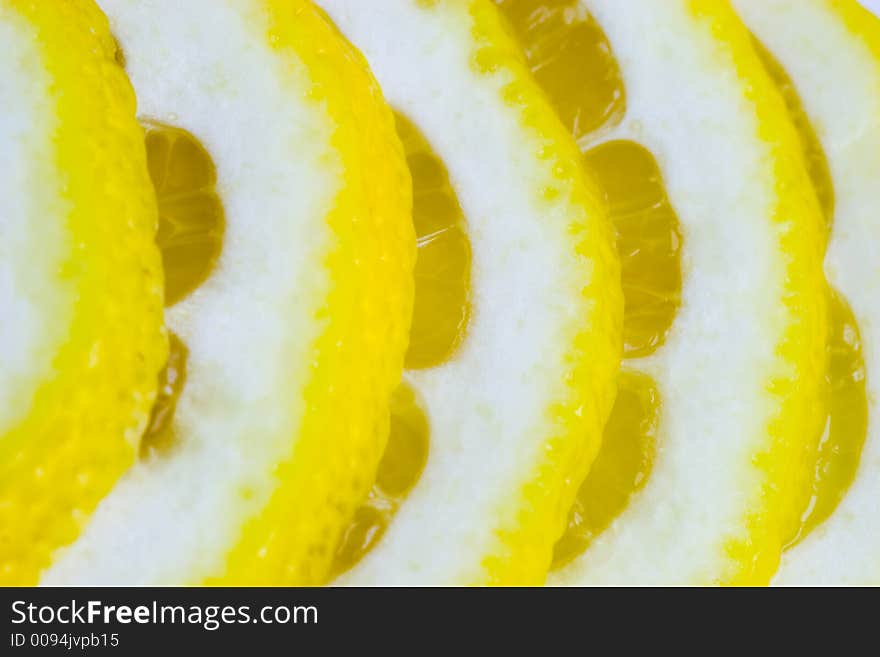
576 420
82 430
831 50
784 464
358 359
860 22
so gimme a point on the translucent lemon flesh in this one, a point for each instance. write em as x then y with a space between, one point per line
190 239
621 468
648 241
399 470
571 58
191 221
846 421
443 261
845 425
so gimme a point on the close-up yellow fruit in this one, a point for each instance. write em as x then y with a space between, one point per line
81 336
424 293
720 239
515 404
286 235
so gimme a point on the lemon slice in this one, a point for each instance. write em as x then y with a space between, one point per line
700 467
81 340
831 53
515 409
292 332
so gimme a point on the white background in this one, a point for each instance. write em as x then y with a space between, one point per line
873 5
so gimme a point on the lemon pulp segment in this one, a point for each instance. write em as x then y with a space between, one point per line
738 374
622 466
190 239
649 241
533 375
191 219
443 263
837 452
293 340
830 54
399 470
571 59
79 276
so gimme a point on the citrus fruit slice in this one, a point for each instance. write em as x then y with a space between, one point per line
81 341
688 135
829 53
285 203
515 407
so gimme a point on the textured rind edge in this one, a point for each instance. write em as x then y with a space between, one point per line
82 431
358 359
785 463
860 21
864 25
577 419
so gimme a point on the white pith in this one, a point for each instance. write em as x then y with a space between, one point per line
688 106
838 80
208 67
489 406
35 302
